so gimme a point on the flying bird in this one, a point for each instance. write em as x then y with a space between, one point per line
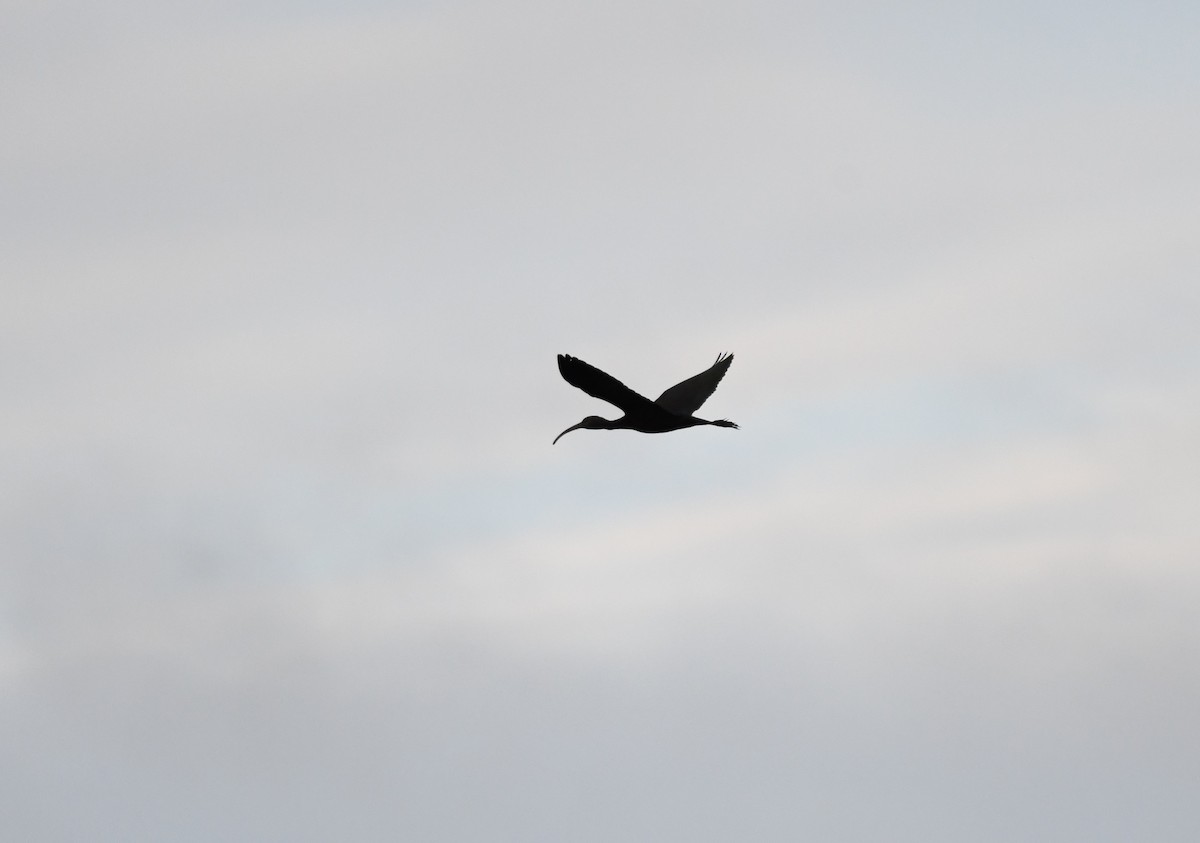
672 411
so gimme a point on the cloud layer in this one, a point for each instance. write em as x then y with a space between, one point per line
285 552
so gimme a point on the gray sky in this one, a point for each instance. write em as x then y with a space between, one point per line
286 553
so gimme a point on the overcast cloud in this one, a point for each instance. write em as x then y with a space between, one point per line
286 552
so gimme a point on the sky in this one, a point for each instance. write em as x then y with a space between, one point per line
286 552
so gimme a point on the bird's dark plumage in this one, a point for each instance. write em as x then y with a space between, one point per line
687 397
602 385
672 411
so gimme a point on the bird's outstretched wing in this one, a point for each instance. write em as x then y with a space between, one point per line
685 398
604 386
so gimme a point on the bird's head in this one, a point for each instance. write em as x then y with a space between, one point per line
590 423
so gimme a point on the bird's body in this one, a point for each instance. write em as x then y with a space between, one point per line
674 409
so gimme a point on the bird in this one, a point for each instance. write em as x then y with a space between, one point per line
673 410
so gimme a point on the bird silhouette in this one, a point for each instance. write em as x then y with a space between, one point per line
672 411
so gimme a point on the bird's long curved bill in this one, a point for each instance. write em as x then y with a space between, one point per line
565 432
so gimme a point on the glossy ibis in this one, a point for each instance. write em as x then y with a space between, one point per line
672 411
